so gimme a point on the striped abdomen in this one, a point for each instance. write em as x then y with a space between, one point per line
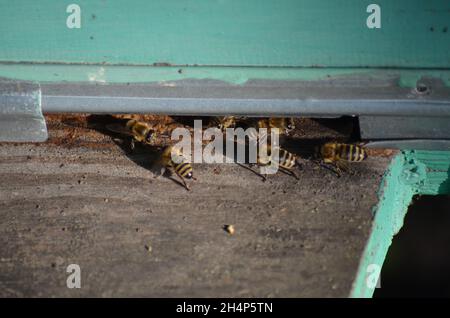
287 159
184 169
352 153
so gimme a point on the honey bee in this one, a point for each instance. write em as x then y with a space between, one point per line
172 160
143 132
285 125
147 134
139 131
287 161
224 122
340 154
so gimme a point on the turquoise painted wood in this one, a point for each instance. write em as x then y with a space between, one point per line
302 33
411 173
232 75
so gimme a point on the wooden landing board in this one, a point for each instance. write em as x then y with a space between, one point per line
132 235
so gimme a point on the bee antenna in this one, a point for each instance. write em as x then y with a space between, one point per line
363 143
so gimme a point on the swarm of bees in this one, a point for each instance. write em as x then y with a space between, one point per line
332 155
170 159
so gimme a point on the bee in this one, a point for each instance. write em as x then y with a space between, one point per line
224 122
139 131
340 154
172 160
287 161
157 134
285 126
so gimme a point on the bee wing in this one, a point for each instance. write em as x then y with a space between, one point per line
119 128
157 167
162 140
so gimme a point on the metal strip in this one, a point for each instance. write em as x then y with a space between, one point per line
386 110
21 118
249 107
350 96
395 127
419 144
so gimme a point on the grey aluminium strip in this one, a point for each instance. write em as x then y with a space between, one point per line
21 118
407 144
258 97
249 107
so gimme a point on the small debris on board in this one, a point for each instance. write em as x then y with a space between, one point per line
229 228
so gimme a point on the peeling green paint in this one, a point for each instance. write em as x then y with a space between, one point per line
231 75
410 173
413 172
409 78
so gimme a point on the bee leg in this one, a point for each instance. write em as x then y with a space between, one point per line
264 177
317 163
182 180
336 169
131 145
161 172
342 166
289 172
331 166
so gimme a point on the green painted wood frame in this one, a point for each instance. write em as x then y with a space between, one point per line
292 33
229 40
410 173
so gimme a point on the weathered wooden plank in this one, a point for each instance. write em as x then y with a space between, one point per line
85 202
